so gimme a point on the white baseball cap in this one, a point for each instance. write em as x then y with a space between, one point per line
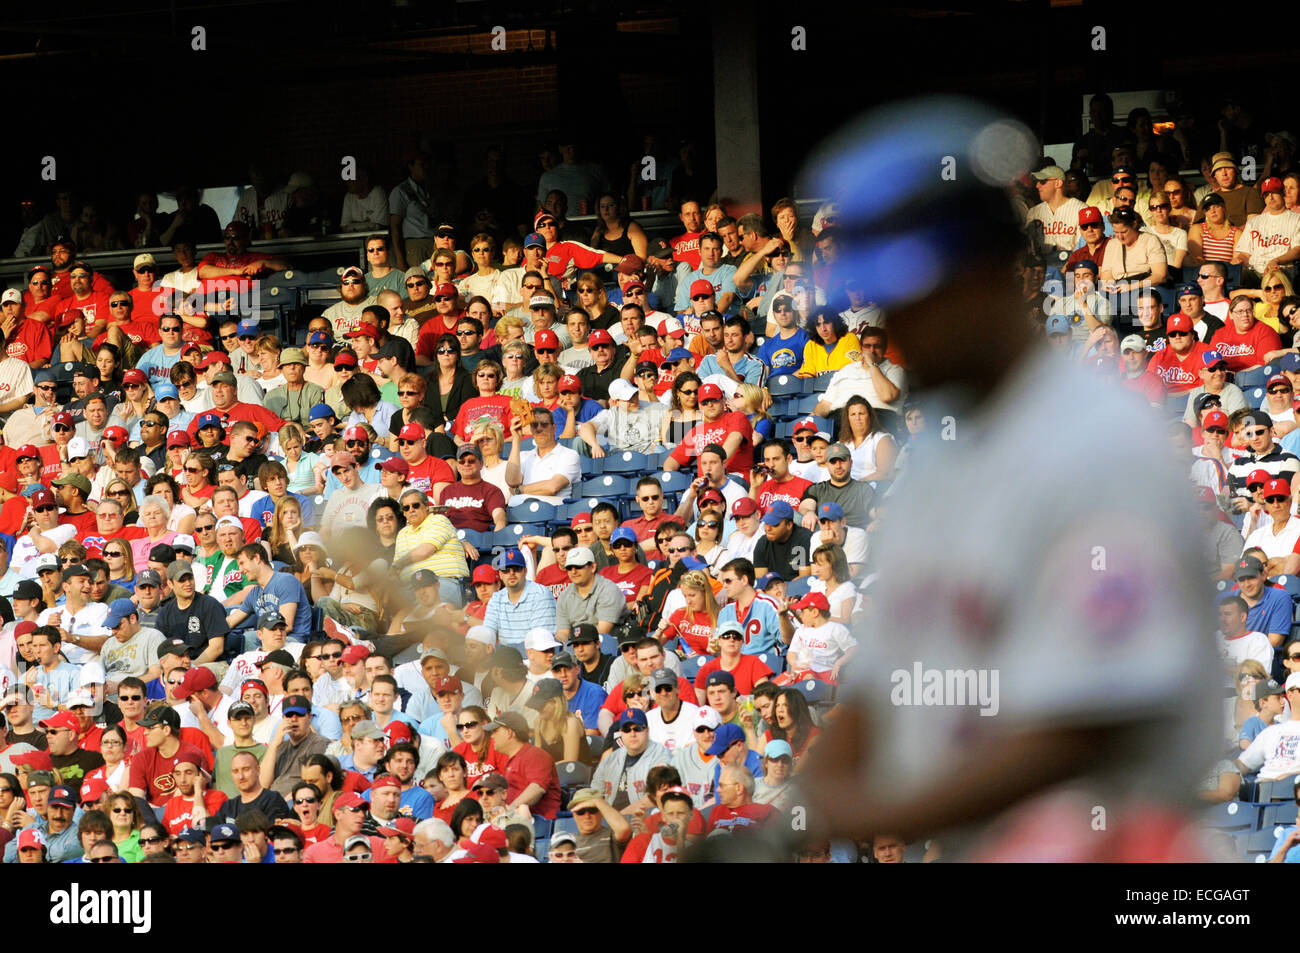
78 447
579 556
229 521
80 697
92 673
11 295
706 716
539 640
622 389
1292 681
309 538
481 633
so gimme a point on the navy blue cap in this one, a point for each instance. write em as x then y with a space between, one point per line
224 833
767 580
1289 362
721 678
633 716
726 736
193 835
1190 289
320 337
777 511
208 420
1085 263
512 557
677 354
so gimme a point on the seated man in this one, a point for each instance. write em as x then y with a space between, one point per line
1275 753
876 378
545 473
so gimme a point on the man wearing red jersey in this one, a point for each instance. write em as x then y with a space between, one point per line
429 474
121 316
564 259
151 769
444 319
730 430
27 338
93 304
1178 365
1133 361
61 251
224 390
1243 341
686 246
218 269
194 802
780 484
39 296
555 577
650 497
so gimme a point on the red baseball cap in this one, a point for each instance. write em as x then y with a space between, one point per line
1271 184
671 328
355 653
569 385
814 600
1215 418
93 790
214 357
134 376
345 359
63 417
356 433
398 731
546 339
1089 215
1178 322
411 431
178 438
350 799
42 497
444 289
244 686
36 760
1278 379
710 494
198 678
744 506
403 827
447 683
580 519
364 330
484 574
599 337
700 286
386 781
115 434
1260 477
27 452
709 392
806 424
1277 486
61 719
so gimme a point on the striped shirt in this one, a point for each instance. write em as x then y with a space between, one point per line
511 620
448 559
1219 249
1276 461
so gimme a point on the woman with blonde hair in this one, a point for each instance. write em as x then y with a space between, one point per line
546 381
490 439
1274 287
753 401
1249 674
593 301
560 733
693 624
1162 227
286 526
125 816
300 466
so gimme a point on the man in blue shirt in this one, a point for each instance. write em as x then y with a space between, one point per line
272 590
719 277
732 361
519 605
783 351
1270 609
758 616
158 361
584 697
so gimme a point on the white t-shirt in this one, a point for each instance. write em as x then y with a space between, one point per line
1174 241
677 735
854 379
245 666
843 592
1275 545
811 471
1061 227
1275 752
864 455
25 551
88 621
1267 236
1247 646
1123 262
855 544
559 461
740 547
186 282
822 646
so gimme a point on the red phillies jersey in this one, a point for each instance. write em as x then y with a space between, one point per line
745 817
94 307
1179 375
426 342
146 306
429 471
178 814
559 255
554 577
240 411
61 285
686 247
705 433
31 343
49 306
1244 351
694 630
790 490
492 762
1149 386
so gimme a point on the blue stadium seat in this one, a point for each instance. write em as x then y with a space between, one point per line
1249 379
785 429
815 691
479 541
606 485
1267 791
673 481
818 383
784 408
1168 298
531 511
561 825
1278 813
573 774
774 661
1291 584
783 385
798 586
591 466
543 826
567 511
608 645
1176 404
691 666
1261 841
655 461
825 424
626 461
511 535
807 404
1234 816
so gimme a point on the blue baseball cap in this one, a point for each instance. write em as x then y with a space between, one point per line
118 610
678 354
633 716
1210 358
719 676
1190 289
320 412
224 833
726 736
513 557
830 510
44 376
622 534
1289 362
208 420
778 749
768 579
195 835
1058 324
249 329
270 618
1085 263
777 511
320 337
164 390
694 562
534 240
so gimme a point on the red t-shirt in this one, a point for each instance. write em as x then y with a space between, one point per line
426 342
705 433
152 773
631 581
615 705
560 254
93 306
496 407
691 629
219 259
686 247
751 816
493 761
645 528
553 577
239 411
85 522
532 765
178 812
1150 387
1179 375
310 835
444 813
330 851
51 464
791 490
429 471
1243 351
472 506
145 306
31 343
139 332
746 673
61 284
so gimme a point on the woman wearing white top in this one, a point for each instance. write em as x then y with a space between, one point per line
489 438
830 570
482 249
116 769
872 448
1171 236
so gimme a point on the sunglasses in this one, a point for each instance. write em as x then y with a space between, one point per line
1179 334
408 509
467 726
1274 288
702 730
689 393
701 297
632 729
130 698
1156 208
1279 390
331 655
586 811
